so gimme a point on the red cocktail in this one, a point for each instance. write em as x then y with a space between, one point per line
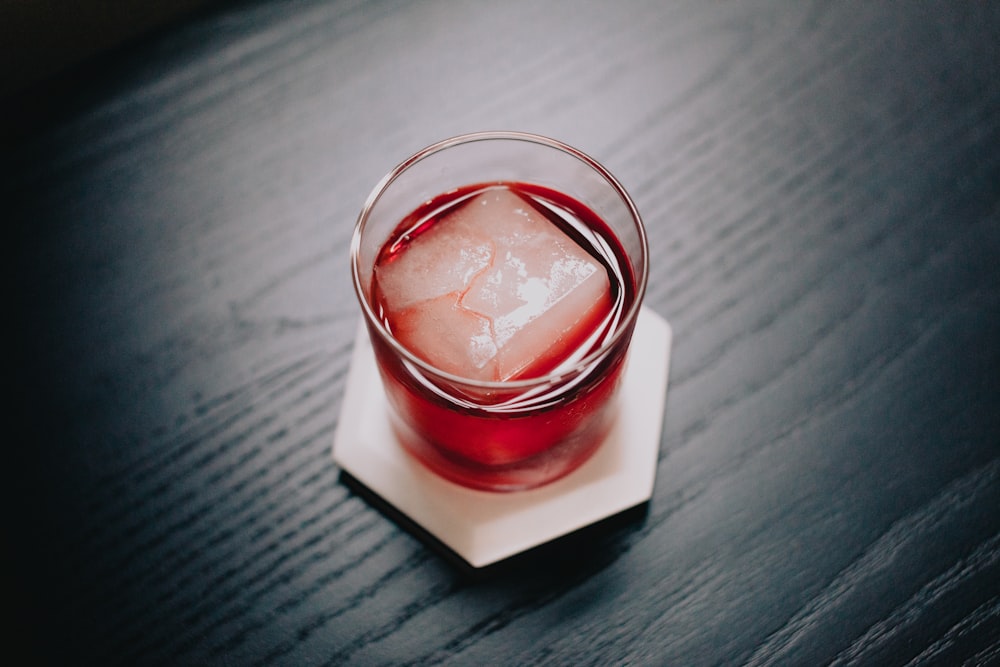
500 308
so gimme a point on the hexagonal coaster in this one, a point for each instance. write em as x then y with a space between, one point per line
482 527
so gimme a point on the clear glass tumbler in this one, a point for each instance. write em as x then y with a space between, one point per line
519 433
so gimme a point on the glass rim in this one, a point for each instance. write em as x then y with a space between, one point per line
626 324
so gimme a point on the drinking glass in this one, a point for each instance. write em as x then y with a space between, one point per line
519 433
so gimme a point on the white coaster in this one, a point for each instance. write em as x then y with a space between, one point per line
484 527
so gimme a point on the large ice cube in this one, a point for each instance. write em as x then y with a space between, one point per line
493 290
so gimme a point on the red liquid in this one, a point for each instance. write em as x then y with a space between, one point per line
509 438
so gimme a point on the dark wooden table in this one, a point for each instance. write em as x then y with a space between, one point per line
821 186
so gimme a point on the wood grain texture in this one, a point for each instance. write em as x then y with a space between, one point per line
821 187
